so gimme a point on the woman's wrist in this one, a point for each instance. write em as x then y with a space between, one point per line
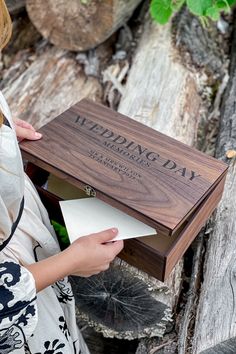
52 269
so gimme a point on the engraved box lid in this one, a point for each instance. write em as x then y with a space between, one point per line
147 174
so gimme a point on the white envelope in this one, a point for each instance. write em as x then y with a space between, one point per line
90 215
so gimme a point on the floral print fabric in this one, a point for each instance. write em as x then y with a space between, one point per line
42 323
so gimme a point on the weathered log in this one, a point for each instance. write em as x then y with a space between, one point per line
161 93
188 313
24 36
81 25
49 86
201 48
215 330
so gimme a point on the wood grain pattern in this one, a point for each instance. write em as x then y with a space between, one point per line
193 226
215 327
156 256
145 173
216 314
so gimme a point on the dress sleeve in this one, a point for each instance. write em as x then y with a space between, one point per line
18 312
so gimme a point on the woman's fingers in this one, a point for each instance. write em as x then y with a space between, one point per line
25 133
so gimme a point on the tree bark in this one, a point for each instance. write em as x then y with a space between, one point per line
215 330
79 26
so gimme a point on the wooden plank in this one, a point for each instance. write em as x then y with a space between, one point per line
215 329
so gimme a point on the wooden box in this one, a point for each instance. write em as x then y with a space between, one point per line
158 180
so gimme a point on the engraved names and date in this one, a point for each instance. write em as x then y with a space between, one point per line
116 166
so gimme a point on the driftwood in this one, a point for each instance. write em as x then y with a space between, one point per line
51 84
171 106
79 26
215 330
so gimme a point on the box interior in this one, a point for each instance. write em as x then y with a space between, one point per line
65 190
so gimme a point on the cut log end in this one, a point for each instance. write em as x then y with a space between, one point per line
120 304
79 27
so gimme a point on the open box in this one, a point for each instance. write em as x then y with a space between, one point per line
152 177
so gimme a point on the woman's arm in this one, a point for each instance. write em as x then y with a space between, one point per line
86 256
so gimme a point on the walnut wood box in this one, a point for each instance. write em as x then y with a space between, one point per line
158 180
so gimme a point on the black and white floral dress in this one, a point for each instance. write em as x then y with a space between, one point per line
42 323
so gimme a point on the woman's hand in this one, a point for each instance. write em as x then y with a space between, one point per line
86 256
93 254
25 130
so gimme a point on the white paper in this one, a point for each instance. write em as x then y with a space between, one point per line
90 215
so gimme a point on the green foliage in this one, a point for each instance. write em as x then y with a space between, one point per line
161 10
61 233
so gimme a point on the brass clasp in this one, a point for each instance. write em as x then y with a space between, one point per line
90 191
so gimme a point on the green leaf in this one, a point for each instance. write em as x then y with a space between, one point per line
231 2
221 5
176 4
199 7
224 5
161 10
213 13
